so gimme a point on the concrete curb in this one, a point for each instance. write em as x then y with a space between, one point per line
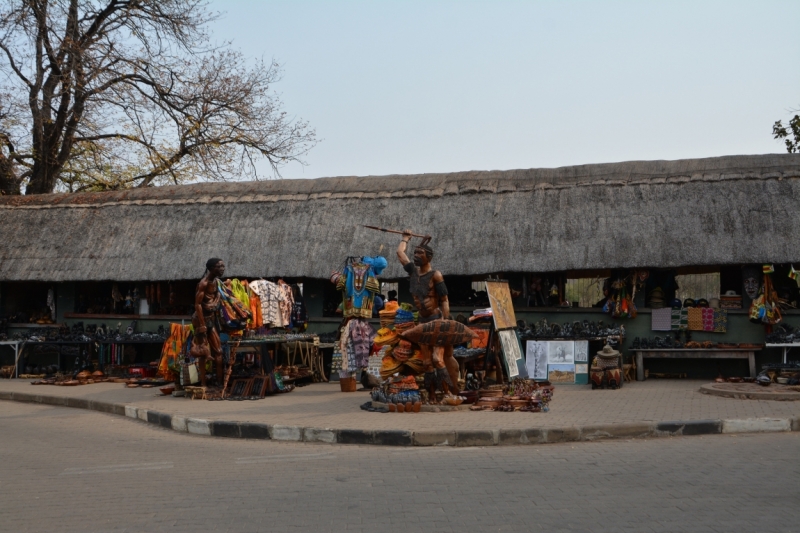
465 437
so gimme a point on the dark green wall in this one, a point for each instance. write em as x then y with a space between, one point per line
739 328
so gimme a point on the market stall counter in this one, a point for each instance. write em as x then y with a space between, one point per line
695 353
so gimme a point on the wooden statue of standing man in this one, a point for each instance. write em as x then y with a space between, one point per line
206 320
430 296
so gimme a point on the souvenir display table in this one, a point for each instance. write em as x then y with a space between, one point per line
310 357
785 348
17 346
695 353
29 343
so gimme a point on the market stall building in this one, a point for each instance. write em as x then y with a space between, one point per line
543 230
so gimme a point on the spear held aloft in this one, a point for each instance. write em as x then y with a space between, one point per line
398 232
425 238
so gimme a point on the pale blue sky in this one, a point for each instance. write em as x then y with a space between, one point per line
438 86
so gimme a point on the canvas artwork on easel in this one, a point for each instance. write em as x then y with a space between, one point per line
501 304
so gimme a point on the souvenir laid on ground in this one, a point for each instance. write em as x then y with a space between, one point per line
439 333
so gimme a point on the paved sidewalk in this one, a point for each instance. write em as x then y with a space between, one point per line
639 407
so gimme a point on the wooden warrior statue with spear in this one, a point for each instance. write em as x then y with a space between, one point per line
430 297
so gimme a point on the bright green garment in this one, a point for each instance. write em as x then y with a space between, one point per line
240 292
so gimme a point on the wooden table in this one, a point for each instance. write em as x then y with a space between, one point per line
17 347
785 347
694 353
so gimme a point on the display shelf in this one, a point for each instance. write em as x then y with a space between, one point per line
126 317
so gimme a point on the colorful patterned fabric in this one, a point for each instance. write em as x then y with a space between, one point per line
362 337
233 313
708 319
695 319
239 291
680 319
359 287
270 295
720 321
173 351
285 304
403 317
661 319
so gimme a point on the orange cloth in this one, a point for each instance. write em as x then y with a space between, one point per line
695 319
172 350
482 340
255 311
389 308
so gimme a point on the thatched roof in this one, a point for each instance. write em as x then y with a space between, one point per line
725 210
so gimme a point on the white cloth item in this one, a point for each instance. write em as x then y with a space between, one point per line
272 298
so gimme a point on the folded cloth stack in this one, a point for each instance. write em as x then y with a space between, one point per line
386 337
403 321
402 383
403 317
387 315
403 351
389 366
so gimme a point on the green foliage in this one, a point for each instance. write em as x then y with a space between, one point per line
790 136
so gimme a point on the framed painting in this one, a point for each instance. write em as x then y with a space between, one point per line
536 359
561 352
501 304
581 352
259 386
240 388
561 373
511 351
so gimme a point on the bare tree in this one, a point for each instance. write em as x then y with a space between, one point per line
105 94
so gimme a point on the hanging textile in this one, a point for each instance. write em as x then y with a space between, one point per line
661 319
362 336
359 285
172 351
680 319
233 314
342 345
270 295
255 310
708 319
695 315
720 321
286 303
239 291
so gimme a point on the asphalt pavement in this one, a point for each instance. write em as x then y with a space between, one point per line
70 470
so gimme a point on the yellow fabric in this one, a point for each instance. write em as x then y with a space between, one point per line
240 292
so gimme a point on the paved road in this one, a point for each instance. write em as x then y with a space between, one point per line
74 470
